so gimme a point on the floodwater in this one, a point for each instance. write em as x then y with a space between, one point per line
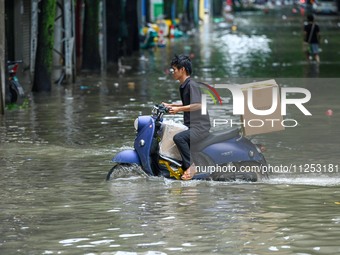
55 154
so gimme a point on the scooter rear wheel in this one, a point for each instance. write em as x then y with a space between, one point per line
249 171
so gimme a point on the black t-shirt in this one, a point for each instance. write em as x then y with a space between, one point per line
314 37
191 94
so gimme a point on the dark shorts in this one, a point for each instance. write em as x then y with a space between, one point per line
314 48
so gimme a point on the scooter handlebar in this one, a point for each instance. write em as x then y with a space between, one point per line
159 110
12 62
163 109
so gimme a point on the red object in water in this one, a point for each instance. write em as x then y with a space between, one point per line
329 112
172 31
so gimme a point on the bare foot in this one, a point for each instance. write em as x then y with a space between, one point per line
189 173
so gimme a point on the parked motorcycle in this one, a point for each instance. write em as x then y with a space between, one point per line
222 156
16 93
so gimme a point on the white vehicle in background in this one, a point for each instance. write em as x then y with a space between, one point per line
325 6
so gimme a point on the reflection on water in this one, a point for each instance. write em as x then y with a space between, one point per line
242 50
54 157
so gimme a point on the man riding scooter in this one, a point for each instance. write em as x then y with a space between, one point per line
167 150
198 124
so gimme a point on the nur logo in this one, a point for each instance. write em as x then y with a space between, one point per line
238 96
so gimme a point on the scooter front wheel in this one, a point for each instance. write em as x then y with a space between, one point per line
125 170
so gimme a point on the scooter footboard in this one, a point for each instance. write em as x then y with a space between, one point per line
127 156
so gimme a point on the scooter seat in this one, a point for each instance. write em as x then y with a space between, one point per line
216 137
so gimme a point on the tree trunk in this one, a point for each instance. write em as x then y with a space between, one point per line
79 33
147 11
132 26
44 54
2 58
91 57
217 7
113 17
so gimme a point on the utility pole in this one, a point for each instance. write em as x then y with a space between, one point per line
34 35
103 33
69 40
2 58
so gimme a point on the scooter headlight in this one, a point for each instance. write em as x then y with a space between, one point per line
135 124
143 122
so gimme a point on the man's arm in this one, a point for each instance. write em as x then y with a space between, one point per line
318 36
172 105
186 108
305 34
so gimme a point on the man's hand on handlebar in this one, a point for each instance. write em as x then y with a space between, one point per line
170 108
174 110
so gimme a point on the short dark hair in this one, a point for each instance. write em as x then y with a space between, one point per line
310 18
180 61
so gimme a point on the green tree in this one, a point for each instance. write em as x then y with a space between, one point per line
45 42
91 57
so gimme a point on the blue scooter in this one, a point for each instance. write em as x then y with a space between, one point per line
222 156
